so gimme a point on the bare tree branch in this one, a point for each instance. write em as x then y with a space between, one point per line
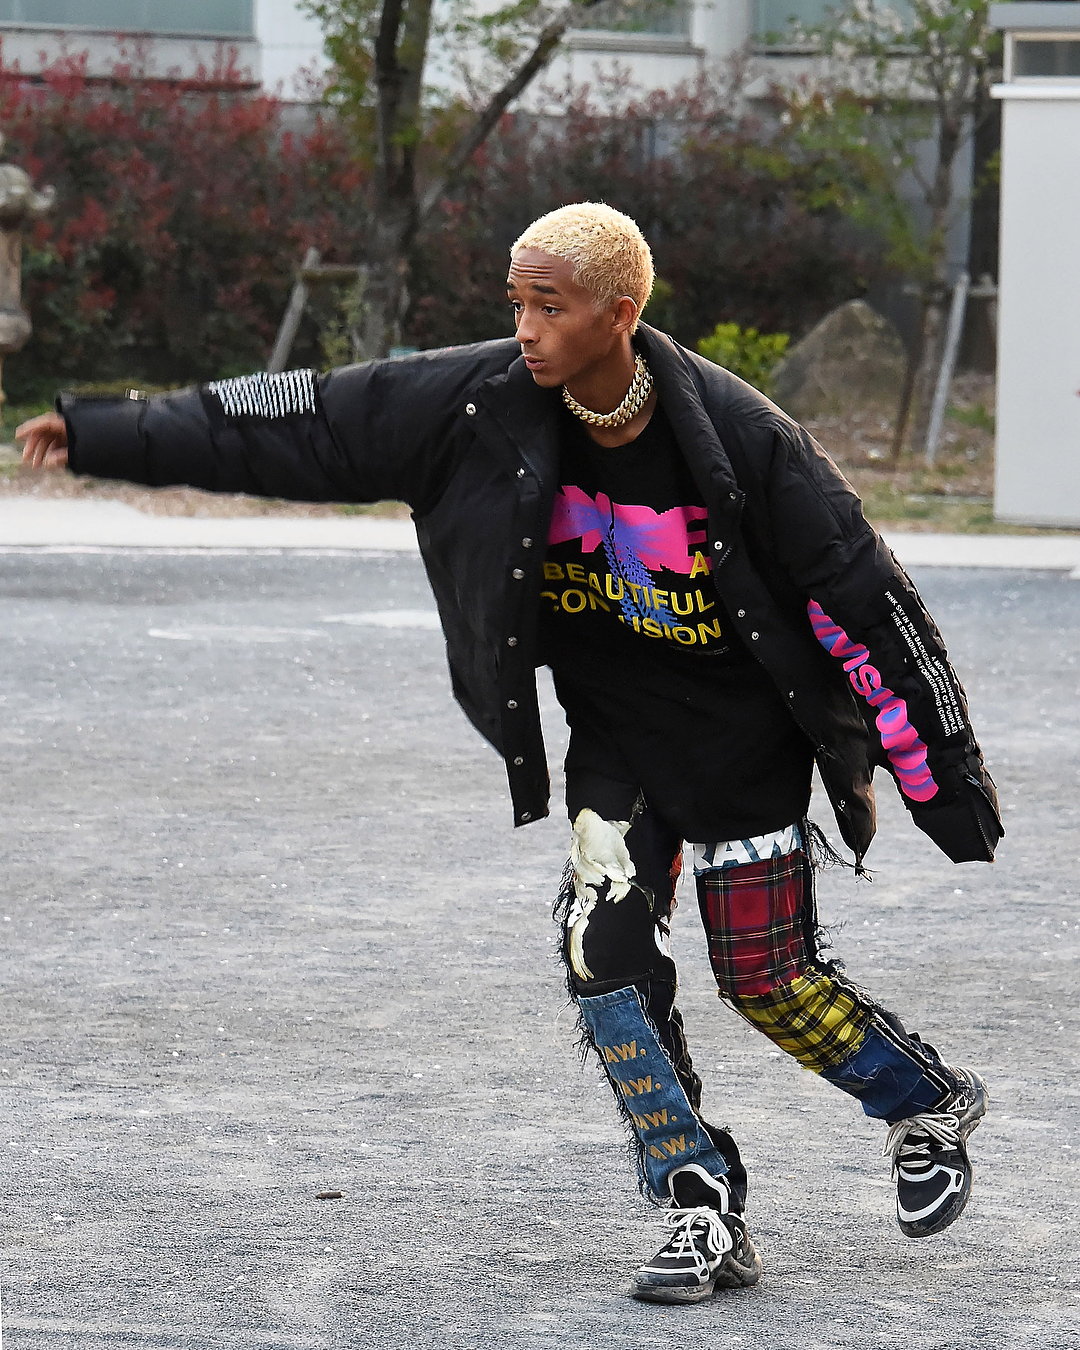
388 88
386 39
474 137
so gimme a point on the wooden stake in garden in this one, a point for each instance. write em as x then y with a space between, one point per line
312 272
948 366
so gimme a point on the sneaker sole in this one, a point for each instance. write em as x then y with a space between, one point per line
672 1293
919 1230
736 1275
732 1274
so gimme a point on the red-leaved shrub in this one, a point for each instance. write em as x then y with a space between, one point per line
181 215
183 210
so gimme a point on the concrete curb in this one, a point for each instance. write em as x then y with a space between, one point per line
63 523
66 525
1055 553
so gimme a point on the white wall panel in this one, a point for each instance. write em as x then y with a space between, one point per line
1038 412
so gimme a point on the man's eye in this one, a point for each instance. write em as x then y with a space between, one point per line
551 309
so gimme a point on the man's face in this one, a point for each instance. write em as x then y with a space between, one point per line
562 334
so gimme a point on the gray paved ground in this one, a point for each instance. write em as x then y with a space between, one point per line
268 932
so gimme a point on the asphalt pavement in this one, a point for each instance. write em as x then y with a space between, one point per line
269 933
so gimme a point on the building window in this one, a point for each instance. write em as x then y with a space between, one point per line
212 18
668 17
774 18
1041 58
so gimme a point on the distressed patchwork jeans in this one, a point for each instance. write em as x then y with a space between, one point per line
756 900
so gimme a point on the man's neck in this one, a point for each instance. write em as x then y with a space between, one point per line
603 386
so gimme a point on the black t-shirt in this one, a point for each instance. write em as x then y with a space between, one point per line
658 688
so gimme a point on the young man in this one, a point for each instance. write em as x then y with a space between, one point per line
717 615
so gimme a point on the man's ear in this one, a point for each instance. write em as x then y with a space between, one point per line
626 313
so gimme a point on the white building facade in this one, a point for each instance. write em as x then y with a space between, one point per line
1037 462
276 44
272 41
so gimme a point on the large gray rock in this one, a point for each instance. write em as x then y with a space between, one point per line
852 359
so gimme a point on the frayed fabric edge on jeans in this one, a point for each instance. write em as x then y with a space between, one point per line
635 1148
821 853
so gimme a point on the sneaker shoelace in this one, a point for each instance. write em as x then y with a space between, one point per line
914 1136
689 1225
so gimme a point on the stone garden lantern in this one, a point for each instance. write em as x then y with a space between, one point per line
20 203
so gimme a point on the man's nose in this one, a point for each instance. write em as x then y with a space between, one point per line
526 329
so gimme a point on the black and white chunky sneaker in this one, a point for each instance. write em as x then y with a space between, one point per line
708 1249
930 1159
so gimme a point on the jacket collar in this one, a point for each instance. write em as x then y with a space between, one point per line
527 414
681 400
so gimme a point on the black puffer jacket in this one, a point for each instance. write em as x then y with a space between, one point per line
468 440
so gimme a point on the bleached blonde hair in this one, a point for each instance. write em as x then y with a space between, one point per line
609 253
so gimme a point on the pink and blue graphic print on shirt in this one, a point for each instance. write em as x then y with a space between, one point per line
900 740
637 541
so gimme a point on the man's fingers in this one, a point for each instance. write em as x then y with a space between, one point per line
43 450
53 421
45 441
37 444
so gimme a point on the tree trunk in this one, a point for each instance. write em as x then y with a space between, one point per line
400 50
385 295
921 377
398 210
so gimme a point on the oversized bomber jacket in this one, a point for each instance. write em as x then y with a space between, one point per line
469 441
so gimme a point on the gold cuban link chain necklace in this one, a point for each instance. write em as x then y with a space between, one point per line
632 404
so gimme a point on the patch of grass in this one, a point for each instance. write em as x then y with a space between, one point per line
389 510
975 415
887 505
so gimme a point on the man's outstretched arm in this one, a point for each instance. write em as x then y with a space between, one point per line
385 429
267 435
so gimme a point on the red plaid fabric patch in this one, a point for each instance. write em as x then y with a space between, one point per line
753 920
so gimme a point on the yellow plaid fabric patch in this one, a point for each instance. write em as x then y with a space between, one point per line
812 1018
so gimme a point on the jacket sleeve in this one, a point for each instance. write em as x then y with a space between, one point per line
865 611
363 433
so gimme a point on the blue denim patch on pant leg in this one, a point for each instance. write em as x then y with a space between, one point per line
890 1082
668 1131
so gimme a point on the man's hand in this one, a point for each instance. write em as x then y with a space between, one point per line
46 441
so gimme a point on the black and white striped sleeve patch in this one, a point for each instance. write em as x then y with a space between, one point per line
262 395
